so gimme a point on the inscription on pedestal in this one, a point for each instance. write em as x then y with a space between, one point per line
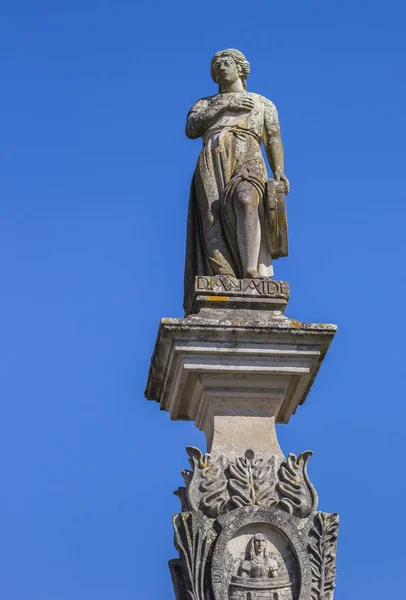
222 284
223 291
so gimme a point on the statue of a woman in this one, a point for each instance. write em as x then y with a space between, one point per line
227 227
258 564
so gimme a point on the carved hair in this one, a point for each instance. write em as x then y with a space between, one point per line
239 59
250 552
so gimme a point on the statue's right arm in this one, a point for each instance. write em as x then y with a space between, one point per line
203 114
244 569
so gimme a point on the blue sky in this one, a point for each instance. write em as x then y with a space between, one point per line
94 188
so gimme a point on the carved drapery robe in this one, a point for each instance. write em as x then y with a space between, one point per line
231 153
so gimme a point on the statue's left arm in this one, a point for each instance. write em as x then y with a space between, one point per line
273 143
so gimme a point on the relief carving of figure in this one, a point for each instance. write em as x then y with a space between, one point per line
228 228
260 576
258 563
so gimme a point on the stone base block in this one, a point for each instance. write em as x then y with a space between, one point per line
235 372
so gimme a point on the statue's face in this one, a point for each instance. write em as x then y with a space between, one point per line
226 70
259 545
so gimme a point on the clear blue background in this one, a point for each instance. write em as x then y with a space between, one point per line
94 188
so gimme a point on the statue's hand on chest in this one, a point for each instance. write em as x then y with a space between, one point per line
235 102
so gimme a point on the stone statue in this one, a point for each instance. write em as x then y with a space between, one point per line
248 526
258 564
228 231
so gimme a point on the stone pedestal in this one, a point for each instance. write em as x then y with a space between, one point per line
249 526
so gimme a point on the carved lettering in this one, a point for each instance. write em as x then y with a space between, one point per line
223 284
253 284
201 283
229 285
269 288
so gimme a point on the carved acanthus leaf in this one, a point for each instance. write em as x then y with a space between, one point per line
207 485
181 493
194 536
252 481
297 494
322 551
216 486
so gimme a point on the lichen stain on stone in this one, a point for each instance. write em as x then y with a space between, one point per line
218 298
295 323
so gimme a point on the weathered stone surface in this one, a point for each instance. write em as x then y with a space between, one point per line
261 572
217 484
226 292
255 553
322 549
194 536
249 529
237 219
296 492
284 543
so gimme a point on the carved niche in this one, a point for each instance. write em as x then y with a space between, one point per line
262 574
259 555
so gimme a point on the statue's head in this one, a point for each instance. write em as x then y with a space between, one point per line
227 66
257 546
259 543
